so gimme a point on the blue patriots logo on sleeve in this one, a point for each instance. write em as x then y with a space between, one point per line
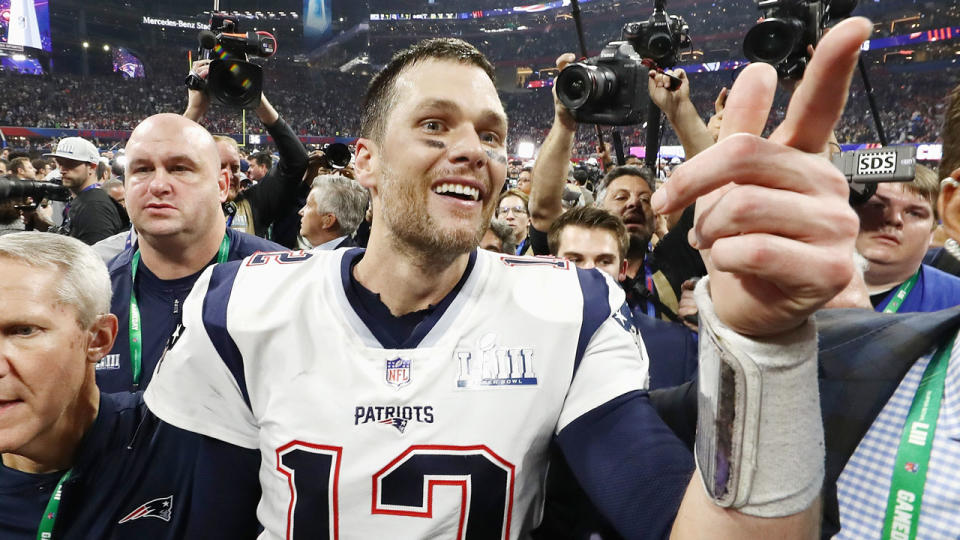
624 318
158 508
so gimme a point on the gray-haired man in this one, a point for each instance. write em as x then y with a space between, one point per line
335 207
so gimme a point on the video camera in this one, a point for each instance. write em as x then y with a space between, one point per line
865 169
787 28
21 189
611 89
233 81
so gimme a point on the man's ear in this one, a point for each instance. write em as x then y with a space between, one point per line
622 274
948 206
223 184
102 334
328 221
366 163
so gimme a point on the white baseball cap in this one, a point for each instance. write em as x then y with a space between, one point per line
77 149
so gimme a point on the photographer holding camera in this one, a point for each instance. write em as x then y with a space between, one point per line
275 195
624 193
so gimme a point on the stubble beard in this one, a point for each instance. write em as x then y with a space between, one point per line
415 232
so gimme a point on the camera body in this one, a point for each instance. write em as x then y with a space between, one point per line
609 89
659 38
787 28
233 81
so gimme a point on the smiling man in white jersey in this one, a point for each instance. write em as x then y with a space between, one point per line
420 402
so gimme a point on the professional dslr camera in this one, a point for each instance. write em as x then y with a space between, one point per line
787 28
233 81
611 89
660 37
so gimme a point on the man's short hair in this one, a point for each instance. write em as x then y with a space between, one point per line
18 164
264 159
624 170
84 282
589 217
381 96
926 185
103 169
514 192
116 169
342 197
39 164
951 135
505 234
110 184
228 140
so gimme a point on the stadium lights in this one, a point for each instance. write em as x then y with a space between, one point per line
86 44
106 47
525 149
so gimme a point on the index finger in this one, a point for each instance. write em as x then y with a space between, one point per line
818 101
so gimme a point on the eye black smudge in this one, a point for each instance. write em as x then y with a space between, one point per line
499 158
434 144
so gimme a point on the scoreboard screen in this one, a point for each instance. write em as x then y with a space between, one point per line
25 24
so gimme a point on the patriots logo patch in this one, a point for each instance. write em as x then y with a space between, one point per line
160 508
398 423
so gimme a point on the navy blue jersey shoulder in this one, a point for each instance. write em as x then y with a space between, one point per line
159 311
137 477
596 308
215 321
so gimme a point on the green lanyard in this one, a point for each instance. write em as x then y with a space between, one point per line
49 519
894 305
913 455
136 339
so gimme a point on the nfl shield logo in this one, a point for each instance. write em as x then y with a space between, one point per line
398 372
912 467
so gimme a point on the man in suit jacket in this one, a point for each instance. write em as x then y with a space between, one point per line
864 358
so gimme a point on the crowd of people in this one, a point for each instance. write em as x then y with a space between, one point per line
421 336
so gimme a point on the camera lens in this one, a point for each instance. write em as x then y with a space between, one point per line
235 83
580 84
771 41
659 45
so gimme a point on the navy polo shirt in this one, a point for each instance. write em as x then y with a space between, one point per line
160 303
135 476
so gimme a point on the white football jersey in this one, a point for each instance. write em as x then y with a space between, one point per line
448 439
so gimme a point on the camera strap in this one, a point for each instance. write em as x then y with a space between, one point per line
136 337
913 454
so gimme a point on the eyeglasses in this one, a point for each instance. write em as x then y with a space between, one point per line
515 209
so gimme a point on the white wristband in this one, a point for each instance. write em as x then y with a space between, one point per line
759 433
